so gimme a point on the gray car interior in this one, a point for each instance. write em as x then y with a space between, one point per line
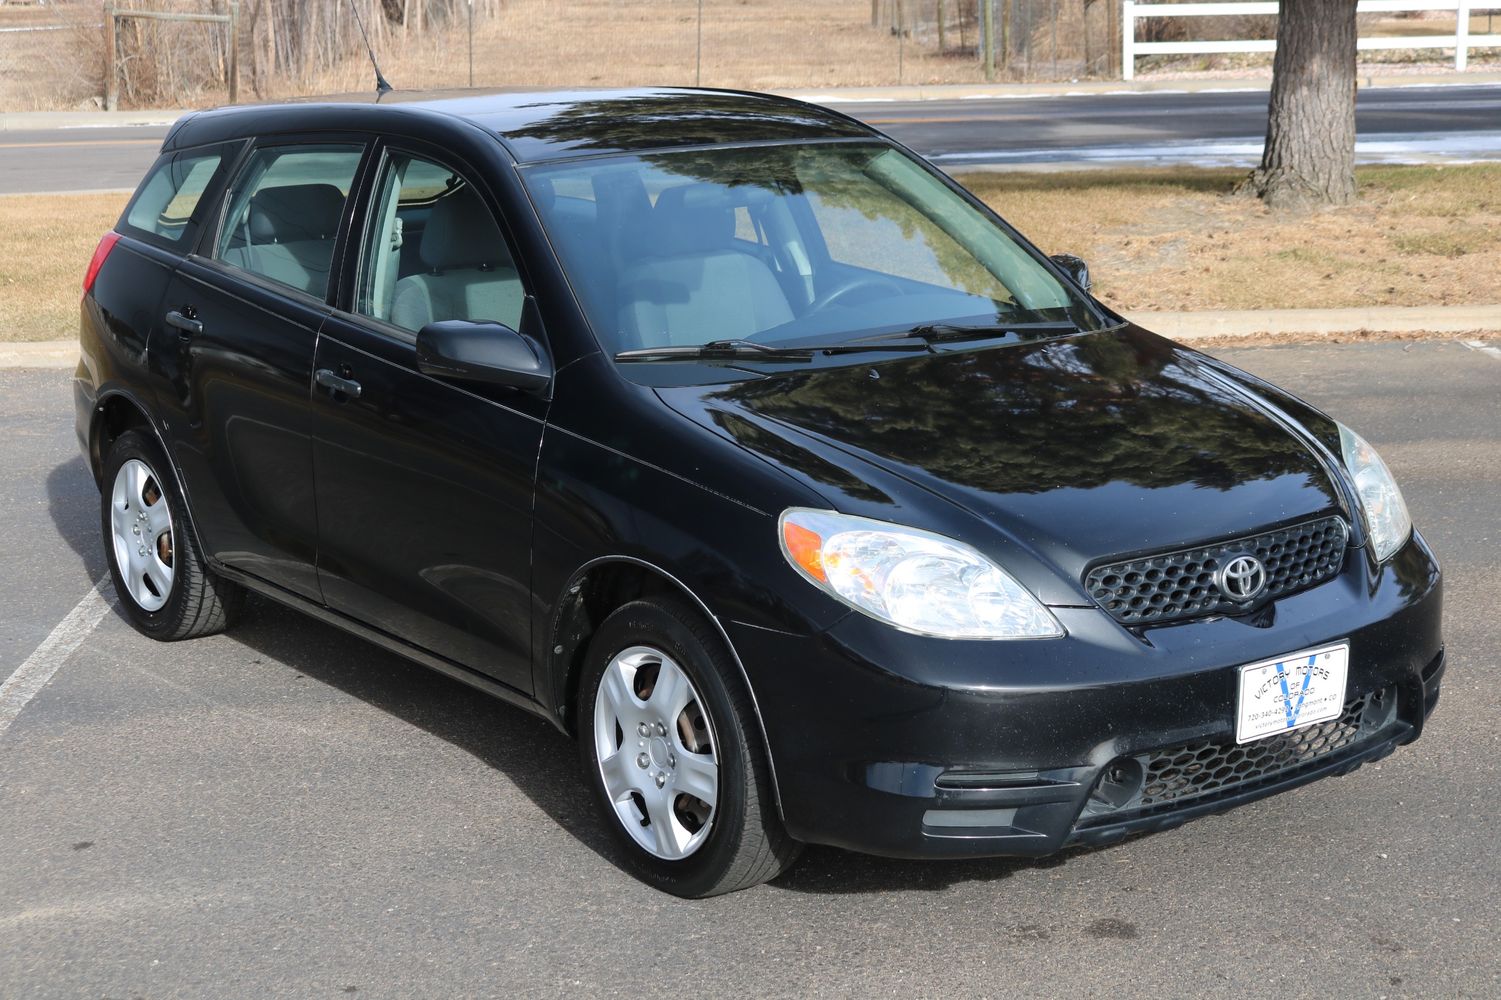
693 274
467 271
688 270
288 234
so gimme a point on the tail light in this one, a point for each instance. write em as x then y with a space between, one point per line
106 244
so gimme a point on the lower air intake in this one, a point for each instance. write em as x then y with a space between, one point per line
1179 775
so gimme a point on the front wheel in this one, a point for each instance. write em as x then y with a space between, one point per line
165 590
669 744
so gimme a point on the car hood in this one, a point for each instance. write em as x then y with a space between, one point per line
1075 449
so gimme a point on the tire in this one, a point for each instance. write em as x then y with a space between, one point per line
165 590
741 841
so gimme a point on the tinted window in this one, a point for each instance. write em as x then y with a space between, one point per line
284 210
165 208
434 251
875 227
809 243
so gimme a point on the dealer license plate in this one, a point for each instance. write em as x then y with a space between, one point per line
1290 692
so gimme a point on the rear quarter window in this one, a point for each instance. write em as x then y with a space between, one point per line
171 202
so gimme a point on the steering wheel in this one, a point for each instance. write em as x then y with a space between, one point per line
851 285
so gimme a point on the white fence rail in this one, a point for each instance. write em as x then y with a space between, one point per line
1461 41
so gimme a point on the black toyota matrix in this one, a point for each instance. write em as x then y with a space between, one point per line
750 450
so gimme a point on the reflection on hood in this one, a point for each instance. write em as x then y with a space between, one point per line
1079 412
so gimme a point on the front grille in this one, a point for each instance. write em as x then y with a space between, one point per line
1178 775
1180 584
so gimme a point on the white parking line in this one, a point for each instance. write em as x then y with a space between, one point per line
1483 348
33 675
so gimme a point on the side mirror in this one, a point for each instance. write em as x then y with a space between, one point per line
1074 267
482 352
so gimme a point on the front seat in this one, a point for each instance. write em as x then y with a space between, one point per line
289 235
695 285
471 275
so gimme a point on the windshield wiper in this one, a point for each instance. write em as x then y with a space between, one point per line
749 350
939 333
715 350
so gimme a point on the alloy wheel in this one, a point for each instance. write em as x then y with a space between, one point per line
655 745
141 524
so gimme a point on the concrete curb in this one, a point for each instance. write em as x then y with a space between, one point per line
1183 326
1314 323
40 354
18 121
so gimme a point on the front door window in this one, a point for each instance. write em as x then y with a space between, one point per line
435 252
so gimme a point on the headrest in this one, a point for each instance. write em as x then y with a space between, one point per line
295 212
693 218
461 233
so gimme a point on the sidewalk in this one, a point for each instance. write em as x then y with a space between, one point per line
1186 327
14 121
39 354
1314 323
25 121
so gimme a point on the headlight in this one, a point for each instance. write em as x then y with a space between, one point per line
1386 518
913 579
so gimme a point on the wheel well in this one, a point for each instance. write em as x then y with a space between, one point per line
112 417
589 600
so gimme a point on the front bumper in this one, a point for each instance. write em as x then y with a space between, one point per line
905 746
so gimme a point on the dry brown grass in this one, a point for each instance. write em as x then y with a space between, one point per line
1170 239
755 44
45 245
752 44
1444 24
50 69
1175 239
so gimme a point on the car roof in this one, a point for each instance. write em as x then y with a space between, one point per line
544 125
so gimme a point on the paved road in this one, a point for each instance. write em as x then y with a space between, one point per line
77 159
1393 124
285 811
1455 122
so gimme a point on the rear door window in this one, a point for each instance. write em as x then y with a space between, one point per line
169 204
284 212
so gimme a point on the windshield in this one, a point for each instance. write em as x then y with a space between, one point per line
788 244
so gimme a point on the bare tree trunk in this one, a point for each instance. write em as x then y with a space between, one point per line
1309 158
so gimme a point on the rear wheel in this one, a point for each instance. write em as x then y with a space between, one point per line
668 741
164 588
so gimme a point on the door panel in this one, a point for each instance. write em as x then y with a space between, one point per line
425 495
237 344
240 421
424 486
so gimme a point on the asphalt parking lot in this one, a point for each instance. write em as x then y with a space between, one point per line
287 811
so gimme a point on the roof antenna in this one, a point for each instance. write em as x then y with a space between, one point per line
382 88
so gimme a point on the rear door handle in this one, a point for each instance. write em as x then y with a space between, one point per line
184 323
334 383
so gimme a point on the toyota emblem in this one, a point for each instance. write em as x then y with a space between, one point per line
1241 578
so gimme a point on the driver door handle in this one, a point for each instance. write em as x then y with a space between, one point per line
184 323
334 383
